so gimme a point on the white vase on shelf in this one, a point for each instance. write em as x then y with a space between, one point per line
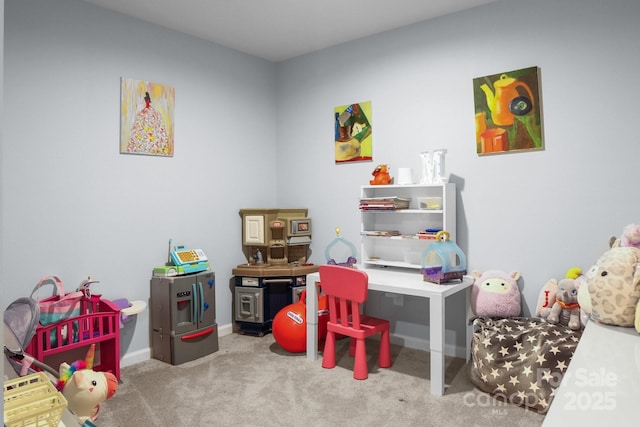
439 176
427 167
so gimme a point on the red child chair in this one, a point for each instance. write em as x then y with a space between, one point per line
346 286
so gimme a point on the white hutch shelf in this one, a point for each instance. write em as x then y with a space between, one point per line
404 250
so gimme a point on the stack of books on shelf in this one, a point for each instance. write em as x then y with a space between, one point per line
384 203
428 234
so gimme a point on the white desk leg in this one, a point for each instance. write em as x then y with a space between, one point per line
436 344
312 319
468 328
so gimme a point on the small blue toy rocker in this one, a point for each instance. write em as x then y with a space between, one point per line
443 260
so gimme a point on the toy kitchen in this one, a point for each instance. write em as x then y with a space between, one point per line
276 245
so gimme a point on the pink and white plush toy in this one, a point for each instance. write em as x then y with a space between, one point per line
495 294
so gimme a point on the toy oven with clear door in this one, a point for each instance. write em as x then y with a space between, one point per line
259 299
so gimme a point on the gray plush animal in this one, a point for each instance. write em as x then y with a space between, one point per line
565 309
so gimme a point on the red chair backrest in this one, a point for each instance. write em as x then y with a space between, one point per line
344 286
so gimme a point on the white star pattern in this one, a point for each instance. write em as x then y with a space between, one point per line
522 358
547 375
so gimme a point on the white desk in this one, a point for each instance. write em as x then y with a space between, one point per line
602 384
405 282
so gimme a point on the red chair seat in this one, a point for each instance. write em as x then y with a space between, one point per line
347 288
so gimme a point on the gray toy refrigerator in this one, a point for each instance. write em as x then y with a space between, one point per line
183 317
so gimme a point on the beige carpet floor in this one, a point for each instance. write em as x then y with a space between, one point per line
251 381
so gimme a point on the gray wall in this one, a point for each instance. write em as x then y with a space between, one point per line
538 213
73 206
256 134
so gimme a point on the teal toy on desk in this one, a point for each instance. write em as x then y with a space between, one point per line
443 260
351 259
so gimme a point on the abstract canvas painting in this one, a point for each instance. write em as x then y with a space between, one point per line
146 118
507 112
353 132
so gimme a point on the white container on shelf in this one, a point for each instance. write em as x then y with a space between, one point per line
430 203
405 176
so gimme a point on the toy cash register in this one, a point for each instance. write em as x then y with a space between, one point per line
183 261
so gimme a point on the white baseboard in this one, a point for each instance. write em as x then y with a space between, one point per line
405 341
138 356
225 330
135 357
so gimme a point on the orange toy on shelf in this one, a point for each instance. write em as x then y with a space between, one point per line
380 175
